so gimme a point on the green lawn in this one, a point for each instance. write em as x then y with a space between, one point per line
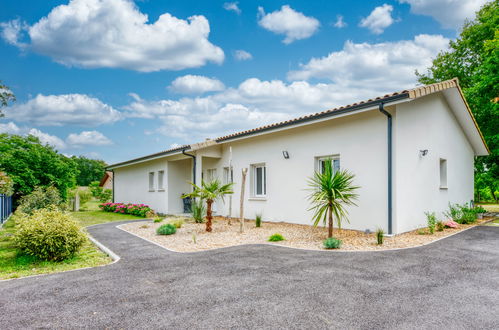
491 207
14 264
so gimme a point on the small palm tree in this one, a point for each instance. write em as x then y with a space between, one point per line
210 192
331 192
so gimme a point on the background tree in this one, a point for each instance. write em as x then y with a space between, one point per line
210 192
30 163
474 59
89 170
6 96
331 192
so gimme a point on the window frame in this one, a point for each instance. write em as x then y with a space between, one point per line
151 181
161 180
228 175
211 174
320 159
443 173
254 180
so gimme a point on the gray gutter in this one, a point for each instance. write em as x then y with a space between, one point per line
156 155
389 165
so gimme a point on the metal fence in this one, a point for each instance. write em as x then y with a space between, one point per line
5 207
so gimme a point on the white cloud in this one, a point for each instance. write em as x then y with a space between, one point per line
11 32
339 22
45 138
10 128
379 19
232 6
191 84
115 34
294 25
242 55
88 138
389 65
449 13
66 109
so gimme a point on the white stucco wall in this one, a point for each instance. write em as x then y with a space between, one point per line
179 173
428 123
131 185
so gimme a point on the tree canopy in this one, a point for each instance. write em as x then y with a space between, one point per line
6 96
89 170
474 59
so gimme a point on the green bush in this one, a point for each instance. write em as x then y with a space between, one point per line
440 226
380 235
258 220
40 198
461 214
276 238
49 234
105 195
95 189
157 219
431 220
6 184
332 243
167 229
198 210
85 196
177 223
479 209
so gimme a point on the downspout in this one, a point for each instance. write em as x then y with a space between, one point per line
389 143
193 165
112 171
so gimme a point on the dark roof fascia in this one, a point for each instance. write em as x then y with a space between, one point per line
331 113
156 155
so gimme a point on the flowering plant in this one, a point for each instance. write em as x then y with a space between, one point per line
451 224
139 210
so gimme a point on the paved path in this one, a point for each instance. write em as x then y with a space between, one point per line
451 284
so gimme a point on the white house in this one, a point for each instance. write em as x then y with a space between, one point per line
411 152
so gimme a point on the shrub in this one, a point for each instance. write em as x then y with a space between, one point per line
105 195
332 243
479 209
6 184
380 235
469 216
167 229
49 234
276 238
461 213
198 210
431 220
422 232
177 223
451 224
440 226
85 196
157 219
40 198
95 189
258 220
140 210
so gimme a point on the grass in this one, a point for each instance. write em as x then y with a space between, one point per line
490 207
14 264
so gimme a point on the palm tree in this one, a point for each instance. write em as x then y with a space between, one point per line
210 192
331 192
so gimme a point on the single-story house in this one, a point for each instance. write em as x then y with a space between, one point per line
411 151
107 180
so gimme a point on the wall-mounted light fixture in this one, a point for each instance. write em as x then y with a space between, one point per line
285 154
423 152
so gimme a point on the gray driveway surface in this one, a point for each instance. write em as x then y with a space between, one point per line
451 284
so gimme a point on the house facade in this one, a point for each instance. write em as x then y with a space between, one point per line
410 152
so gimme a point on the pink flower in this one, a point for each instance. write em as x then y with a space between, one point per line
451 224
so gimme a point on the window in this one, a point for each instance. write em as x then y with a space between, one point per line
228 175
443 173
259 173
161 175
211 174
151 181
321 163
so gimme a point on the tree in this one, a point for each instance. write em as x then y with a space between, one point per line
474 59
331 192
210 192
29 163
89 170
6 96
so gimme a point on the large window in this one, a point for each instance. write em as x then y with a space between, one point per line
151 181
228 175
211 174
259 174
161 176
320 163
443 173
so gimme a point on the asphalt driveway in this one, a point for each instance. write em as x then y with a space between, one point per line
452 284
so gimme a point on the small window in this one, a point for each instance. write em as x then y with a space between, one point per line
259 173
228 175
161 175
321 163
151 181
211 174
443 173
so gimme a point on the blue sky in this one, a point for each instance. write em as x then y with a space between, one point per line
117 79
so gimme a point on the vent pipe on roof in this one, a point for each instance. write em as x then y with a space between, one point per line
389 144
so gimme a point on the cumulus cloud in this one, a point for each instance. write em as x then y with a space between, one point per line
191 84
339 22
232 6
10 128
450 14
88 138
65 109
379 19
12 31
45 138
242 55
294 25
387 64
115 34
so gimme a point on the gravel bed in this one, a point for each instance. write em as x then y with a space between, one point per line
193 237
